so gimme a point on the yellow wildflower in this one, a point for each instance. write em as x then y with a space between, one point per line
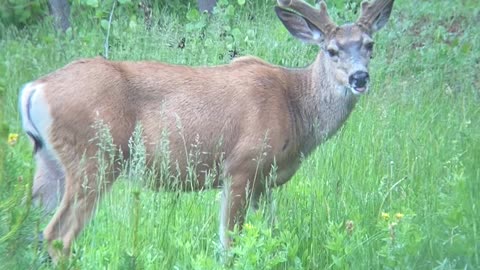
12 138
385 216
399 216
248 226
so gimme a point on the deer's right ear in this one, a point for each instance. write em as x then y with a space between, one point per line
300 27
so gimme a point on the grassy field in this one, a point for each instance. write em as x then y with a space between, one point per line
397 188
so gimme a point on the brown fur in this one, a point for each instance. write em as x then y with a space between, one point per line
236 111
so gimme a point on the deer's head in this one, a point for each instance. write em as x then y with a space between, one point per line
348 48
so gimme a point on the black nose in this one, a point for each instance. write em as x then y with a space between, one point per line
358 79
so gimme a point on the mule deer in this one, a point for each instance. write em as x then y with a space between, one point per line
246 105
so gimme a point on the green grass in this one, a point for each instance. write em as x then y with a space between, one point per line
412 146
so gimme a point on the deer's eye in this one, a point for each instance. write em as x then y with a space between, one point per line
369 46
332 52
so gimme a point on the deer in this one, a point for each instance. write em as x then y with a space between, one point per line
248 105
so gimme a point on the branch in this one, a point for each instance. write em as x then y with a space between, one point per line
108 30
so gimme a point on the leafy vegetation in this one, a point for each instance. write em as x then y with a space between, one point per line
21 12
397 188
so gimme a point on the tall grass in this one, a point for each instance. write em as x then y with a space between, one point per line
398 187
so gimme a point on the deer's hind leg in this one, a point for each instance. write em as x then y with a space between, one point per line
49 181
60 148
89 173
82 193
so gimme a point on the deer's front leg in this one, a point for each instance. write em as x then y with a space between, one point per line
233 207
269 211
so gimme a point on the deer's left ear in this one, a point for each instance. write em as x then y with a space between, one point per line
375 15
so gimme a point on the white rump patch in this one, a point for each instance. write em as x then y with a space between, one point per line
35 112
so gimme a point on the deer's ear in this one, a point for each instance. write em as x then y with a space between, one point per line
375 15
300 27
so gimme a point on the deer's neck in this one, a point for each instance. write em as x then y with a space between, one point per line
320 105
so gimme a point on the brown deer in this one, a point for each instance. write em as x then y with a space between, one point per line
252 107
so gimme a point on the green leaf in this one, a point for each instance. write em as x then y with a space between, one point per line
222 3
104 24
241 2
4 130
99 13
133 23
237 34
193 15
230 11
91 3
466 48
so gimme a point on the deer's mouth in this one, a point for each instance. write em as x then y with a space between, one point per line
359 90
